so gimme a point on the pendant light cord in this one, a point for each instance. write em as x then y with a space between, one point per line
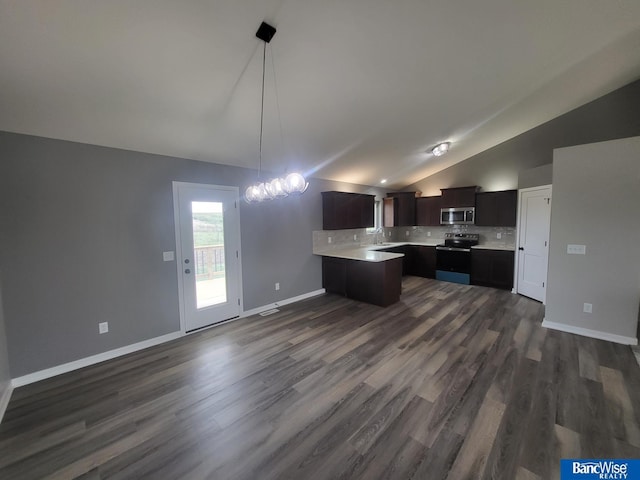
264 57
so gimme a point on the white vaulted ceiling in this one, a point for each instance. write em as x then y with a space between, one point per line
364 87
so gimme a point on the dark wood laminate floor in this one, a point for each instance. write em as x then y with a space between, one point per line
452 382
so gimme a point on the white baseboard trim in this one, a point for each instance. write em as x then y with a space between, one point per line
118 352
586 332
4 400
282 303
85 362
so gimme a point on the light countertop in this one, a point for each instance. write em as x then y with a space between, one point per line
506 248
372 253
364 254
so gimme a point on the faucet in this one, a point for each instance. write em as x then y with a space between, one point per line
376 237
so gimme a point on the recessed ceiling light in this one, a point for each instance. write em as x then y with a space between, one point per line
441 149
384 180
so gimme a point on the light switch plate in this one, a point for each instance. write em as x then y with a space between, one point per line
103 327
576 249
168 256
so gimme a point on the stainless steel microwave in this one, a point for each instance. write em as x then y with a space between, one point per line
457 216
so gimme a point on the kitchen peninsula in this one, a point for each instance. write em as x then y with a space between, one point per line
363 273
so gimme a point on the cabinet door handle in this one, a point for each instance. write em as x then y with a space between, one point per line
521 248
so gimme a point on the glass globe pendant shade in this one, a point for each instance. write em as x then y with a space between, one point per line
276 188
295 183
262 193
257 193
251 194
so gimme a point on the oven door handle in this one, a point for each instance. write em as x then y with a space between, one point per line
453 249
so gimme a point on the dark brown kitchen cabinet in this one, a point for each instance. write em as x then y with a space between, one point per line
407 260
334 275
379 283
459 197
428 211
492 268
342 210
424 261
496 209
418 260
400 209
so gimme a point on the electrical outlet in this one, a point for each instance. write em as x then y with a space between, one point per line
103 327
498 236
406 233
355 236
428 234
587 308
576 249
277 285
330 239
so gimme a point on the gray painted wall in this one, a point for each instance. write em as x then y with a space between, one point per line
535 177
5 376
612 116
596 195
83 229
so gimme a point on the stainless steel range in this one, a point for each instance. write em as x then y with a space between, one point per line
453 259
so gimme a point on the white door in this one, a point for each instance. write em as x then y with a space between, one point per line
208 253
533 242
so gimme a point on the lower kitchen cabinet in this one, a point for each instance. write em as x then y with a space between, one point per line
407 260
492 268
424 261
379 283
418 260
334 275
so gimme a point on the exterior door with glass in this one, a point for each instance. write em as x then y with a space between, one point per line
208 253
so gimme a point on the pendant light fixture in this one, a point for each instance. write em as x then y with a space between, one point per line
293 183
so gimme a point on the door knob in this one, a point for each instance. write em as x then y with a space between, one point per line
186 260
187 271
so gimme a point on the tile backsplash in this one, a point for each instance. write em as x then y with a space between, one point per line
488 235
332 239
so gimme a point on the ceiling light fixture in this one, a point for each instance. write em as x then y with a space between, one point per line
441 149
384 180
293 183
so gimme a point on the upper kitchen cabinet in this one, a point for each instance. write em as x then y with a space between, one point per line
428 211
400 209
341 210
459 197
496 209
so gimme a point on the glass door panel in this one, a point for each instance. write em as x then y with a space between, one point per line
208 253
